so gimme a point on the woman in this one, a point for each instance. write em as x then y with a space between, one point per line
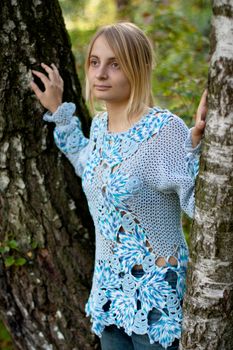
138 172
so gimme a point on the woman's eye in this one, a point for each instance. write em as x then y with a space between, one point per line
93 63
115 65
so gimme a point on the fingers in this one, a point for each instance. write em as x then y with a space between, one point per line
53 72
57 74
53 75
55 69
51 96
200 125
202 108
204 95
48 70
42 77
36 90
200 117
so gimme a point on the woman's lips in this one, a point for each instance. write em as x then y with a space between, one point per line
102 87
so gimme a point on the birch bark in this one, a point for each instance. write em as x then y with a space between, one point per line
44 220
208 305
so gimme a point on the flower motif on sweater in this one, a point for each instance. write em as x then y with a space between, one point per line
136 183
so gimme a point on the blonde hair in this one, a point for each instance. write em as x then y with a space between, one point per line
135 55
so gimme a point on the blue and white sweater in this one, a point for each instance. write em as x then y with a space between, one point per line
137 184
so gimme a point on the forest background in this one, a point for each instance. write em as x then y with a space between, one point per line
179 31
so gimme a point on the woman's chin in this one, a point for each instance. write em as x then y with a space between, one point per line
102 97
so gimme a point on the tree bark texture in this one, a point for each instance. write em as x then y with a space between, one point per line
208 305
43 212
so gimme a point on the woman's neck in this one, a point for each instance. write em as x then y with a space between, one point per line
117 117
118 120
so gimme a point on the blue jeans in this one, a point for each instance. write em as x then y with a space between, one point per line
114 338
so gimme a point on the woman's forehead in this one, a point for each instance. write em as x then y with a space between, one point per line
101 48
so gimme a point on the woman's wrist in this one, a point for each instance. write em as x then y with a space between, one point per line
54 108
195 141
190 146
196 137
197 132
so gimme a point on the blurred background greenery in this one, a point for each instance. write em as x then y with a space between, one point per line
179 31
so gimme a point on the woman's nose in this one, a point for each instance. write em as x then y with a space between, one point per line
101 72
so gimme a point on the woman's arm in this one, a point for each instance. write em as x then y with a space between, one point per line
170 164
68 134
175 163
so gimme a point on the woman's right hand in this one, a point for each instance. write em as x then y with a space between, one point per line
51 98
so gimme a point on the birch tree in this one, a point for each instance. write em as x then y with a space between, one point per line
208 305
46 233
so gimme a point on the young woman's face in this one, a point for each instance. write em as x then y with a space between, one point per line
106 78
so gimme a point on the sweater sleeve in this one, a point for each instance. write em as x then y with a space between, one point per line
177 163
69 137
192 155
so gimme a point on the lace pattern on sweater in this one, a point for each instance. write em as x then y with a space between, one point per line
116 293
120 298
117 296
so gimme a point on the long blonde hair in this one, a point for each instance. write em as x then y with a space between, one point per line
135 55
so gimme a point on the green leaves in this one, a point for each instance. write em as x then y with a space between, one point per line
4 250
34 245
12 244
9 261
11 253
20 261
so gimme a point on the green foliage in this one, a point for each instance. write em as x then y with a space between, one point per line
13 254
179 31
7 248
181 46
9 261
12 244
5 339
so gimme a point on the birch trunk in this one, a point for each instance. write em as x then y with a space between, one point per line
46 233
208 305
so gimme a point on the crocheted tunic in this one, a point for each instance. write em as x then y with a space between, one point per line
137 183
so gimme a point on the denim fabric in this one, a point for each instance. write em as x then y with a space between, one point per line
114 338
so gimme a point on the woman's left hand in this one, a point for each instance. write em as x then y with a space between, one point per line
200 122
